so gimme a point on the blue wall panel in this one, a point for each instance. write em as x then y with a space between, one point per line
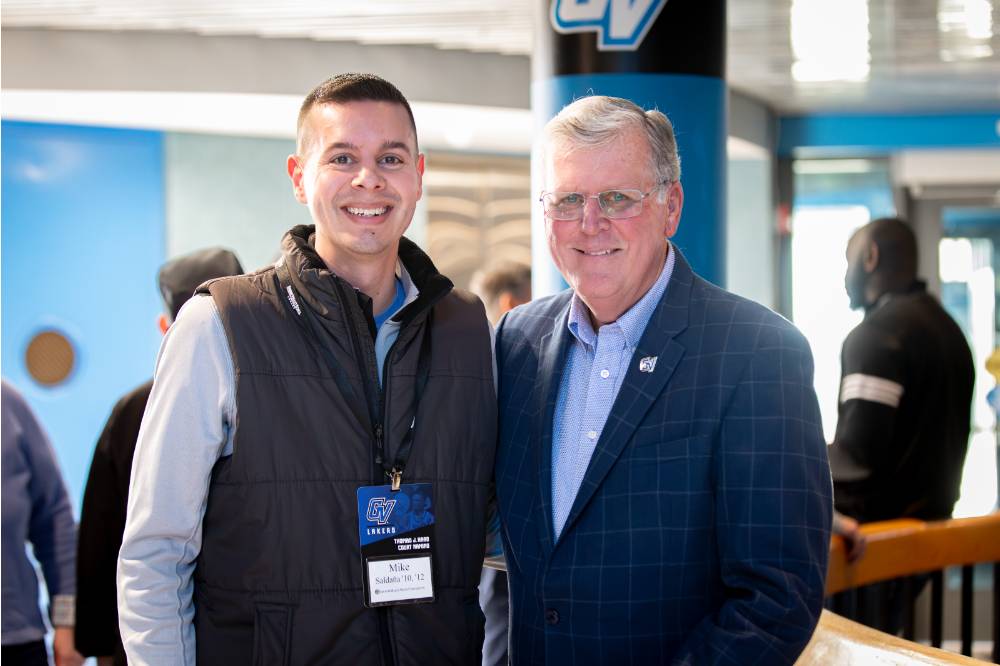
83 237
861 134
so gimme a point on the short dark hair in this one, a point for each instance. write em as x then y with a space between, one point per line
510 277
353 87
897 246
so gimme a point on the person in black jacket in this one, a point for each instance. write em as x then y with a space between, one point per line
102 519
905 391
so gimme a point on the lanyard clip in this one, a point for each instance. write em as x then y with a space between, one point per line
397 478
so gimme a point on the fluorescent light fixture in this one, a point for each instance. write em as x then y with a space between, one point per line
974 18
830 40
966 52
824 167
966 26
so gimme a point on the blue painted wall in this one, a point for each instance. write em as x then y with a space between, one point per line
83 237
881 134
971 221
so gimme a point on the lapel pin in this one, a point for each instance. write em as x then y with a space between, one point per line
647 364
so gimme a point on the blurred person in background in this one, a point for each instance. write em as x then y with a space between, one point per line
906 385
102 519
36 510
502 288
905 401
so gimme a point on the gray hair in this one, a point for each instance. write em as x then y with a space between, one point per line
596 121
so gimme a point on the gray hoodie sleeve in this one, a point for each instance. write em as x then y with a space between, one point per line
186 428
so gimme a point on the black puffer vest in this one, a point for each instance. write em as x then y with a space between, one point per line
279 580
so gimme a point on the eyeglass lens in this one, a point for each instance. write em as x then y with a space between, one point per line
614 203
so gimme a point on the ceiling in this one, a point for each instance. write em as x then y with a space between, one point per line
798 56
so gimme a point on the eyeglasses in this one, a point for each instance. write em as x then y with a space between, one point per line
615 204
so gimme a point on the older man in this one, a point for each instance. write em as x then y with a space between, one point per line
291 411
662 475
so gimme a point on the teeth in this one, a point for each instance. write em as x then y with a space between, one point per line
599 253
367 212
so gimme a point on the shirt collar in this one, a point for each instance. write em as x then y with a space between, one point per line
633 321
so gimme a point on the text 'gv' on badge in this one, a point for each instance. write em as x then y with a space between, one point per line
647 363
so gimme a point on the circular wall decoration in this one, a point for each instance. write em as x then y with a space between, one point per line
50 358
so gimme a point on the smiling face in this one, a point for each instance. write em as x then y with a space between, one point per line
359 173
610 264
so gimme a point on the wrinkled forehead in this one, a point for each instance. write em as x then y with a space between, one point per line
567 161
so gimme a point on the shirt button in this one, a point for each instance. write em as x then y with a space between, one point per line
605 374
552 616
592 434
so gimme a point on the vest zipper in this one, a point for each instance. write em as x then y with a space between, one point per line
382 612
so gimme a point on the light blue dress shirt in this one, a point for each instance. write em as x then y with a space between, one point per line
595 368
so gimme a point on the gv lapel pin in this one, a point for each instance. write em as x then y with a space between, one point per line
647 363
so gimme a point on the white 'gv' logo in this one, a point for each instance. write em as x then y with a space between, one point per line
379 510
621 25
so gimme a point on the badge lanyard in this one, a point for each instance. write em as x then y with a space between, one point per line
393 471
396 521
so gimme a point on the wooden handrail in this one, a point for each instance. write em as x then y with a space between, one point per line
904 547
840 641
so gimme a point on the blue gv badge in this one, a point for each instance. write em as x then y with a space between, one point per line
396 534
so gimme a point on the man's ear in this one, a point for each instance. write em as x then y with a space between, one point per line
420 174
675 203
871 258
295 168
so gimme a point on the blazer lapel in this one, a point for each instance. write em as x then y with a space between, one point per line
641 387
551 362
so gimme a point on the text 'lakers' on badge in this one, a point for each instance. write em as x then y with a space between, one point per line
396 532
647 363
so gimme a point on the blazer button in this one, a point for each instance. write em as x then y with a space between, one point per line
552 616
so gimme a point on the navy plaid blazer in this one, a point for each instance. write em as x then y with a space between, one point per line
701 531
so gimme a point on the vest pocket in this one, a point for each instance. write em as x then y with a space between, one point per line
272 634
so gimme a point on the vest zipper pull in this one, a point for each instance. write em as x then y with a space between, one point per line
397 478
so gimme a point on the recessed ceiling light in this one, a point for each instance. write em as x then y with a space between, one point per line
830 46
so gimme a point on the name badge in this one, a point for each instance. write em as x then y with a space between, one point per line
396 531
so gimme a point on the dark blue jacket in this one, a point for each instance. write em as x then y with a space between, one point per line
700 534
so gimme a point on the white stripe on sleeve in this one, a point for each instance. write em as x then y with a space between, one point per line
869 387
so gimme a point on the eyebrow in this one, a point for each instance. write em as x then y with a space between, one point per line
388 145
396 145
